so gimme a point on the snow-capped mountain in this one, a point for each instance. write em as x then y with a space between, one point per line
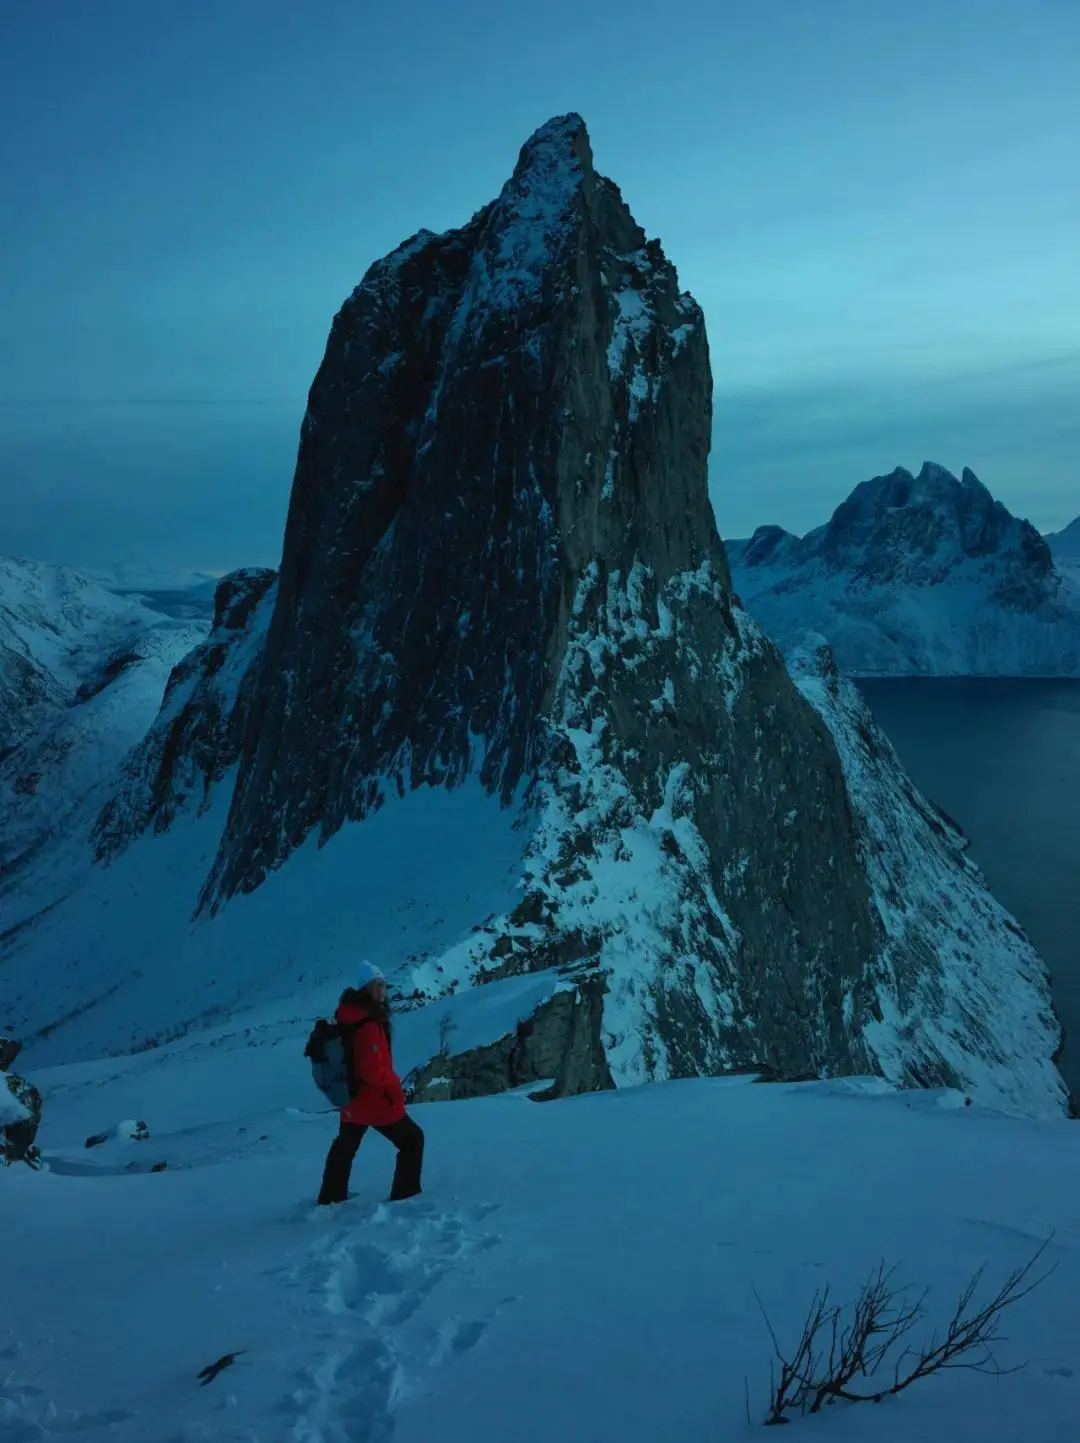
82 673
499 722
923 574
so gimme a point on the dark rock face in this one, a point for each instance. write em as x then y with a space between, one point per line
561 1044
466 450
9 1050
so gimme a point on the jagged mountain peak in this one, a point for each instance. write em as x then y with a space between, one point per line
919 528
555 158
511 243
769 545
918 573
472 442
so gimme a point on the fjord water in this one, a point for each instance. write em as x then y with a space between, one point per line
1002 757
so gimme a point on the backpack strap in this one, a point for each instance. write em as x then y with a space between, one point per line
347 1032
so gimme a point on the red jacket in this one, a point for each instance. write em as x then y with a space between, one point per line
379 1099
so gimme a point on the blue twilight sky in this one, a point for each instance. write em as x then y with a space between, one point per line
875 202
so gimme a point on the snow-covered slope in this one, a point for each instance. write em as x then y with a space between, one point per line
922 574
582 1270
82 674
53 625
979 975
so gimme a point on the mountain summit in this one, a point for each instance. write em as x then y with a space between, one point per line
917 574
501 578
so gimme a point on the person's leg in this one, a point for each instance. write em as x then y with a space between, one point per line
408 1138
339 1161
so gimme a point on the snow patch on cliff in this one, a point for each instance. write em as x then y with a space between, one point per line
975 1009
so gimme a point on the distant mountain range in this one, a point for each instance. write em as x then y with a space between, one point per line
82 672
920 575
185 595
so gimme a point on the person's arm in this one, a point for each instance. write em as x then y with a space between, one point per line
372 1056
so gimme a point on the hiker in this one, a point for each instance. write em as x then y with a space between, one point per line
376 1098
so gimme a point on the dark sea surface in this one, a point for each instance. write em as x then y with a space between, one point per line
1002 756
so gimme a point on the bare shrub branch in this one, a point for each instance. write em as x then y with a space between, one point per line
831 1356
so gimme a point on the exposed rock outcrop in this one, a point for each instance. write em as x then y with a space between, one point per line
917 574
20 1111
561 1045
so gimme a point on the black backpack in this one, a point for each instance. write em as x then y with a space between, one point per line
330 1051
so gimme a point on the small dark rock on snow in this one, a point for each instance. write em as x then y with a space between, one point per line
17 1136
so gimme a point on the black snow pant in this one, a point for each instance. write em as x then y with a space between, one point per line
406 1136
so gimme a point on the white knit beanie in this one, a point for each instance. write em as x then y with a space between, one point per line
366 973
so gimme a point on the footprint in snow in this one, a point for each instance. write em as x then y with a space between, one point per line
373 1271
26 1413
457 1336
348 1397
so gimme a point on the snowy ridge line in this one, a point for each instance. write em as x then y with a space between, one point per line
969 1016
